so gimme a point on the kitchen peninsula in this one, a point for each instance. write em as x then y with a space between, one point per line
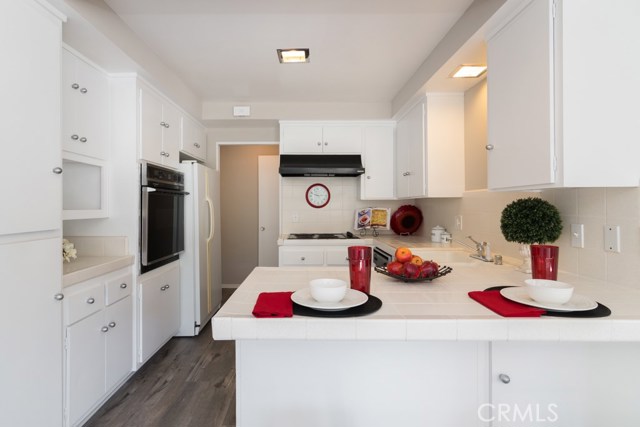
433 356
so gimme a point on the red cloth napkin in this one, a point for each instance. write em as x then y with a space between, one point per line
494 301
273 304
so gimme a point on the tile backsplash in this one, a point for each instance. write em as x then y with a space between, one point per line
338 216
593 207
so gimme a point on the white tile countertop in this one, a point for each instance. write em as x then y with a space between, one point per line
438 310
97 255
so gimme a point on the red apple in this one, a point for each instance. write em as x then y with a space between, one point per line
396 268
411 270
403 255
429 269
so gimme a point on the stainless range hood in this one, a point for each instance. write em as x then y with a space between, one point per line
321 165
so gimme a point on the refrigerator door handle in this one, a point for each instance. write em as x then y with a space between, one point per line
211 222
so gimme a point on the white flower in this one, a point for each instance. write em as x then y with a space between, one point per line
68 250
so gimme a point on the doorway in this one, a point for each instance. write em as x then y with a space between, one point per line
268 210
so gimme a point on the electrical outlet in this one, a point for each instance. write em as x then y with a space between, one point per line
295 217
577 235
459 222
612 238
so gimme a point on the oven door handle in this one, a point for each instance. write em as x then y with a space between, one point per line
164 191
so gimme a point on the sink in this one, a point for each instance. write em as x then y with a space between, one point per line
450 258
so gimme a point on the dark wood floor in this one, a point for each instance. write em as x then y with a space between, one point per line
190 382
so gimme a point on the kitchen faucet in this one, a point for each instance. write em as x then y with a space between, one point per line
483 250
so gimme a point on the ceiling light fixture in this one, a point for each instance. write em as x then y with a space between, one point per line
469 71
291 56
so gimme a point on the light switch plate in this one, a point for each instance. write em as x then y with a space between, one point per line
612 238
577 235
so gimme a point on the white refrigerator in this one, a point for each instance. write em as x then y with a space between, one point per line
200 263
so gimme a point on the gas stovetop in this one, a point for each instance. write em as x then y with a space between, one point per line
320 236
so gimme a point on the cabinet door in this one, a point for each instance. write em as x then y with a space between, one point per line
343 139
30 109
410 154
300 139
85 365
159 310
31 336
301 256
119 345
171 135
85 108
337 256
377 183
151 127
193 140
566 384
521 146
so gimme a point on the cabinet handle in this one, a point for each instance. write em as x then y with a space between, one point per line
58 297
368 176
83 90
488 147
104 329
164 288
90 300
163 124
123 286
83 139
75 86
326 143
57 170
302 258
406 174
262 228
166 154
504 378
75 137
319 143
112 324
166 125
162 153
196 144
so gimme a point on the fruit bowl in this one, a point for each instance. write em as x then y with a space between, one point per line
443 271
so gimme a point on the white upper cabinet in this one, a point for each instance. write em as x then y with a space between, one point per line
320 138
193 140
30 127
430 148
159 129
562 97
377 183
85 108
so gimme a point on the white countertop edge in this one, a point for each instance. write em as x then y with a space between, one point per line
86 268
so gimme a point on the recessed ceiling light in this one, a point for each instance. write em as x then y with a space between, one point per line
289 56
469 71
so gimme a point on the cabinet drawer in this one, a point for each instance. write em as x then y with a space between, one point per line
337 256
118 288
302 257
83 303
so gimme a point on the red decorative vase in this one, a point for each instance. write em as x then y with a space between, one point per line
360 268
544 262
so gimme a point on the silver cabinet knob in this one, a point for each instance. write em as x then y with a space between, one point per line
123 285
90 300
83 90
302 258
166 154
164 288
326 143
83 139
406 174
104 329
262 228
368 176
504 378
112 324
163 124
75 86
319 143
58 297
162 153
488 147
166 125
75 137
57 170
196 145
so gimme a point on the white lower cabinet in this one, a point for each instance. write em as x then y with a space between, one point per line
98 342
564 384
159 309
313 255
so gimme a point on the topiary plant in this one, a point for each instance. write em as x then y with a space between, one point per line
531 220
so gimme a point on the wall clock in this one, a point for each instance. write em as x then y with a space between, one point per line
318 195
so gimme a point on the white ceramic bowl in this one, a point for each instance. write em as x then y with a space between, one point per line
328 290
548 291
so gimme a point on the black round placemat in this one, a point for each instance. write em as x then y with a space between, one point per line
372 305
600 311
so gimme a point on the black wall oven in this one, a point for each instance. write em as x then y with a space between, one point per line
161 216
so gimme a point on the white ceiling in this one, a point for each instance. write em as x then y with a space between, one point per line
225 50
